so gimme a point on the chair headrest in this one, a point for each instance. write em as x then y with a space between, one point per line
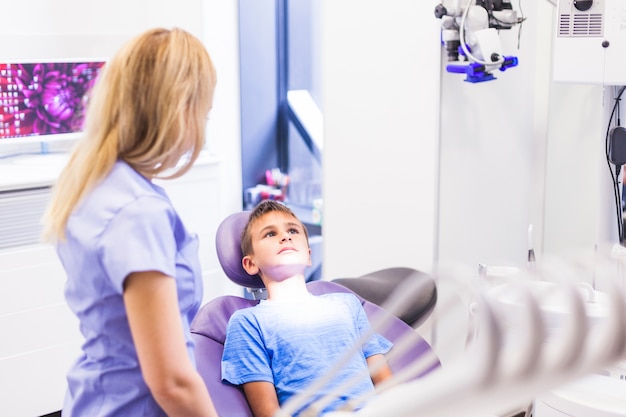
228 246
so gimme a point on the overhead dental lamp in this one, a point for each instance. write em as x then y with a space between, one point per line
471 39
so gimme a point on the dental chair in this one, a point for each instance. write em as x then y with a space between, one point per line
209 327
376 286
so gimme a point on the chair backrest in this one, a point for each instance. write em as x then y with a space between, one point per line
378 286
209 327
228 247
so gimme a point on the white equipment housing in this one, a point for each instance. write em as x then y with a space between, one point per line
590 45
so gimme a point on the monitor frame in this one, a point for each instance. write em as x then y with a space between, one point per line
65 69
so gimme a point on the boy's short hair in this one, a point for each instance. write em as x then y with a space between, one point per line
261 209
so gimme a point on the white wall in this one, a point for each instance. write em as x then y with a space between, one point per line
510 153
221 37
523 150
41 29
574 197
422 168
492 136
380 77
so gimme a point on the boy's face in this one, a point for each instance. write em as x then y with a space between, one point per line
280 247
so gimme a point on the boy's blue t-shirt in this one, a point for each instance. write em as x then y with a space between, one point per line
290 344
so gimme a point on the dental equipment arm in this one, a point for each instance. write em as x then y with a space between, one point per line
471 39
515 358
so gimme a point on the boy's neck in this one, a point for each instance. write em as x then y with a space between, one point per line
289 289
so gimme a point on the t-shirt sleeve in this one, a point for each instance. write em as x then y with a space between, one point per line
377 343
245 358
139 238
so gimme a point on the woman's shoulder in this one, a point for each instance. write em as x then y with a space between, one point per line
124 187
126 180
123 194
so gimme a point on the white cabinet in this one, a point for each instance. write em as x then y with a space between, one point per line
39 336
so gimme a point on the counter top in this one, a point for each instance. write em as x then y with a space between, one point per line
28 171
593 395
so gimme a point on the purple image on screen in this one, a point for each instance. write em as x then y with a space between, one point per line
44 98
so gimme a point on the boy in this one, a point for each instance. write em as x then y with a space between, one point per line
277 348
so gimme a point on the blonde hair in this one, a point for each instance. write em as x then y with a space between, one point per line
148 108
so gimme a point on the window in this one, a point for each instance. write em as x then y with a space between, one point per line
282 122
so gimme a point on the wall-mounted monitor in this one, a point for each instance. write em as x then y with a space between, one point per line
44 100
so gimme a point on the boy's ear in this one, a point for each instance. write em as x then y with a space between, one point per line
310 261
249 265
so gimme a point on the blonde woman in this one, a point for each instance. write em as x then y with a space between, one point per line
133 270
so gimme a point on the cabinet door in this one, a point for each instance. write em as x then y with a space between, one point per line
40 336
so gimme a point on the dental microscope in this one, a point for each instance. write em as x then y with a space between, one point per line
470 36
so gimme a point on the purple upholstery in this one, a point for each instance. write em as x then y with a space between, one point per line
209 327
208 330
228 246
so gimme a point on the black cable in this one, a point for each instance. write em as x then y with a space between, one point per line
616 191
520 21
618 205
616 194
608 159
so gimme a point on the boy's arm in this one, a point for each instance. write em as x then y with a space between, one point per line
382 372
262 398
